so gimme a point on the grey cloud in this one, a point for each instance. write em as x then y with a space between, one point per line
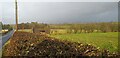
62 12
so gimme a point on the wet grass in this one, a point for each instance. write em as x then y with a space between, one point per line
107 41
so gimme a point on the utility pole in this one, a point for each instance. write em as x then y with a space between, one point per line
16 14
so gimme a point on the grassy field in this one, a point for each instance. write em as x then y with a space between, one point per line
103 40
26 30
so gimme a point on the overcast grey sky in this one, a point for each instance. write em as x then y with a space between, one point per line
60 0
60 12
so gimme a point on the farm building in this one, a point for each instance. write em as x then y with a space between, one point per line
4 30
41 30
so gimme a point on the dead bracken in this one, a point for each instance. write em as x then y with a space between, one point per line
30 44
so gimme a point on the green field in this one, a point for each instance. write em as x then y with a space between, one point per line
107 41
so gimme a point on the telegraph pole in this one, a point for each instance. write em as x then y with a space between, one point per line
16 14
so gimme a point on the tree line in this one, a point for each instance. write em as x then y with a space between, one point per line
78 28
31 25
96 27
90 27
6 26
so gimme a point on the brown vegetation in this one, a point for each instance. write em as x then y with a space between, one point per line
32 44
